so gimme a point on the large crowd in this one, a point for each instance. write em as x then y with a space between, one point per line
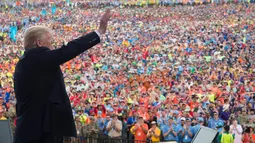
159 73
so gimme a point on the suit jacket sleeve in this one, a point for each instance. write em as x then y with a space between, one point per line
52 58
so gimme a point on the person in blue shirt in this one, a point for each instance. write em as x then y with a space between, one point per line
87 107
216 123
179 129
100 121
187 133
175 117
162 120
132 120
168 130
197 127
106 121
108 105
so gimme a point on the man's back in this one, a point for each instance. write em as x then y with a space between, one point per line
43 107
41 97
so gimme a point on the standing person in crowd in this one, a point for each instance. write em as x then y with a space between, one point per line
79 127
251 123
140 130
106 121
44 113
2 115
180 130
187 133
1 103
11 115
81 115
248 135
237 131
169 131
243 118
154 132
100 122
190 61
114 127
216 123
124 128
132 119
91 131
226 136
197 127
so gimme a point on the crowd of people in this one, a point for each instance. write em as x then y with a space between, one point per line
159 73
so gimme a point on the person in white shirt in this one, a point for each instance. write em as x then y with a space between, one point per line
237 130
114 127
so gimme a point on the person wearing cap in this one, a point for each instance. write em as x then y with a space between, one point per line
87 107
140 130
154 132
187 133
180 129
110 112
169 130
114 127
162 120
216 123
197 127
175 116
100 120
106 121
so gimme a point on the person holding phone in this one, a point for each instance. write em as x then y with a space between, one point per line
236 130
154 132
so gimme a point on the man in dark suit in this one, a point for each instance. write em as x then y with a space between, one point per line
44 113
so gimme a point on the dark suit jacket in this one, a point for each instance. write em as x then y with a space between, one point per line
43 105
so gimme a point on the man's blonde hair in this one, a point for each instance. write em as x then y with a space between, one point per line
33 34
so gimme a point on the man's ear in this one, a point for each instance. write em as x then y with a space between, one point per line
38 43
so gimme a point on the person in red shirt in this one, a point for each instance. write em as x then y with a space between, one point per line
140 130
102 109
194 103
248 136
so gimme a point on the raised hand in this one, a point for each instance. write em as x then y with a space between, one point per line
104 22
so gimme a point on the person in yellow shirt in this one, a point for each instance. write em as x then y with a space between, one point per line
154 132
2 115
82 117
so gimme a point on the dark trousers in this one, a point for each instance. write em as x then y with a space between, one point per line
47 138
